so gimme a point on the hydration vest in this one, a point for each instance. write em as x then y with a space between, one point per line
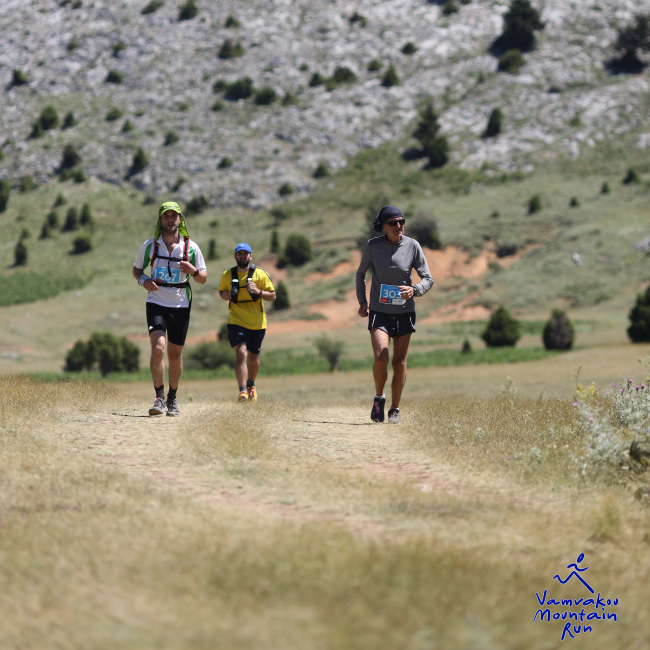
234 292
184 258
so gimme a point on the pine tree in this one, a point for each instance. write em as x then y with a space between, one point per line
275 242
519 26
631 40
558 332
281 296
502 330
639 329
494 124
434 146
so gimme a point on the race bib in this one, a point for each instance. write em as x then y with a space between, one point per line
162 273
390 295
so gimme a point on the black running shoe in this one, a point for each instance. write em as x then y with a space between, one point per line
172 407
377 413
393 415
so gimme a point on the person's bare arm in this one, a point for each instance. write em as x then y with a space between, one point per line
254 291
149 285
190 269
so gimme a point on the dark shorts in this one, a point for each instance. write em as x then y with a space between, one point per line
393 324
174 321
252 338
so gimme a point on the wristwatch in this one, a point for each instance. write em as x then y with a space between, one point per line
195 274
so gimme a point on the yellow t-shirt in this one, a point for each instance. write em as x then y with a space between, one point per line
245 312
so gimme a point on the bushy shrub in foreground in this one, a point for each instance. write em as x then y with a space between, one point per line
502 329
106 352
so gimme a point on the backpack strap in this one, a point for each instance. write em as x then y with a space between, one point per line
185 257
251 272
234 291
154 252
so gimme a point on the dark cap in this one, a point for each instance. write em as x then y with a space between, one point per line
386 213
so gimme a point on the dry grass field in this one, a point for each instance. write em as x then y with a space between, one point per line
286 526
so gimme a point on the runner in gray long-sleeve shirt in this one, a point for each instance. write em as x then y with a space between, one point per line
392 257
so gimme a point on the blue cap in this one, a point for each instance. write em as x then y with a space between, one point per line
243 247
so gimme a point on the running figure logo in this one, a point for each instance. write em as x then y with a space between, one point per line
575 573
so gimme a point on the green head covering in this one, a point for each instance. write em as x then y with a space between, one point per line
170 205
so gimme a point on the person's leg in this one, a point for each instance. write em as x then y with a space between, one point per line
241 371
400 351
157 363
253 366
175 356
380 341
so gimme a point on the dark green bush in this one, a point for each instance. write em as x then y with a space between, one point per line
211 355
317 79
450 8
289 99
632 177
286 189
18 78
86 217
409 48
27 184
240 89
275 242
45 230
434 146
60 200
225 163
390 77
534 204
357 18
574 203
20 254
343 75
212 249
424 229
127 126
72 45
222 334
52 219
322 171
5 191
120 46
281 297
114 114
197 205
218 105
639 329
605 188
493 127
511 61
105 351
69 120
171 138
265 96
140 161
25 233
231 50
219 86
467 347
49 118
330 350
297 249
70 157
82 244
502 330
78 176
375 65
188 11
114 77
519 26
631 40
558 332
279 215
152 6
37 130
303 67
232 22
71 220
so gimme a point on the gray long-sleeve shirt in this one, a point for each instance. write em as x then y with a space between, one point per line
392 265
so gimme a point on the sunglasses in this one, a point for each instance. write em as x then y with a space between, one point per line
395 222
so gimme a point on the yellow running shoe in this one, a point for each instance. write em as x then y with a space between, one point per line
252 394
243 396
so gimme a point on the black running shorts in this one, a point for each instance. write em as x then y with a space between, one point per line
252 338
393 324
174 321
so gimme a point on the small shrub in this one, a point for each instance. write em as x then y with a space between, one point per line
502 330
493 127
240 89
225 163
27 184
631 40
71 220
171 138
25 233
46 231
69 120
511 61
303 67
211 355
231 50
18 78
265 96
281 297
140 161
434 146
114 114
574 203
60 200
78 175
286 189
534 204
605 188
317 79
105 351
275 243
390 77
86 217
519 26
375 65
70 157
639 329
222 334
357 18
37 130
188 11
120 46
297 249
114 77
152 6
52 219
20 254
466 347
495 214
450 8
127 126
506 250
212 249
289 99
558 332
197 205
632 177
72 45
49 118
330 350
279 215
219 86
322 171
409 48
5 191
218 105
343 75
575 121
424 230
82 244
232 22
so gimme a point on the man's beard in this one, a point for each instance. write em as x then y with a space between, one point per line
244 265
170 230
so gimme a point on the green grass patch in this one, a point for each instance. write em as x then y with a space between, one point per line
29 286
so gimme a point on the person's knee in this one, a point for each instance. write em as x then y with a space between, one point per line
242 353
158 349
399 363
253 358
381 357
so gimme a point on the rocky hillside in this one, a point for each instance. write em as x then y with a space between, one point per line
561 101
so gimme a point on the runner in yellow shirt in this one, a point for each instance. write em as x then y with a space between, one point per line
247 319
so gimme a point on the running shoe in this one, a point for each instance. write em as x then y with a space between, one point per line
377 413
393 415
158 407
252 394
243 396
172 407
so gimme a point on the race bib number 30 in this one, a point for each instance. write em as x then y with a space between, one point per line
162 273
390 295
